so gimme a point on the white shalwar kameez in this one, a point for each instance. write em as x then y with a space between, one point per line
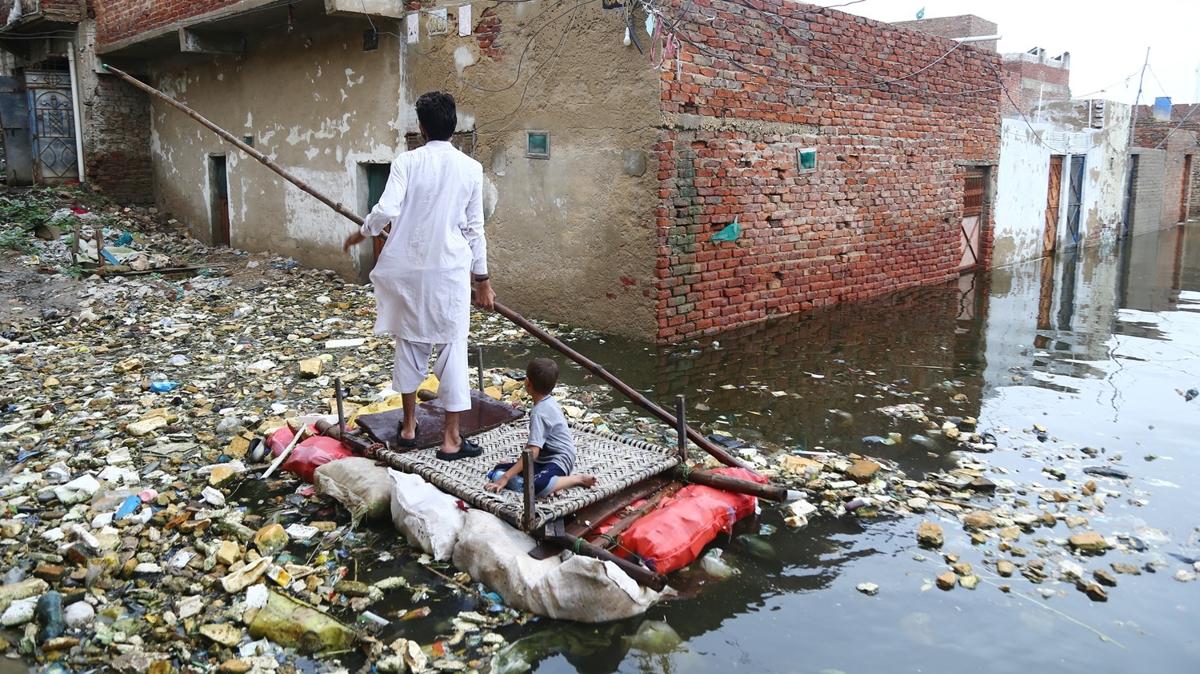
434 204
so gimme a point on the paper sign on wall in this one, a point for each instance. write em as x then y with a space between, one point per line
438 22
464 20
413 22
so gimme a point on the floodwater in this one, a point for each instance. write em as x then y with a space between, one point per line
1098 346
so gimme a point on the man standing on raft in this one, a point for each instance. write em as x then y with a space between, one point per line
433 204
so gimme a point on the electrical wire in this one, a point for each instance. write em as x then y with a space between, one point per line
528 44
1125 81
1157 81
1036 134
529 80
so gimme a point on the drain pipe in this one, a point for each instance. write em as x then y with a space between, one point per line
75 109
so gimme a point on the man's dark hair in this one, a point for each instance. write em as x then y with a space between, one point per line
437 114
542 374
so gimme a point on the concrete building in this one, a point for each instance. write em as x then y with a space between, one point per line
1061 180
62 122
855 157
1034 81
1164 187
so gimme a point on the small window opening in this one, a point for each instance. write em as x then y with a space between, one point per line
806 159
537 145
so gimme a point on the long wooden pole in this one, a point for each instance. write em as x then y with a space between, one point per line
517 319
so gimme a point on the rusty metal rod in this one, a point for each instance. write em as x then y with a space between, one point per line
517 319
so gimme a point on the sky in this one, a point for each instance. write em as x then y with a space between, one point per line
1107 39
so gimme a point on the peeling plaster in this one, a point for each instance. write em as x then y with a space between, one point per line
463 58
1023 178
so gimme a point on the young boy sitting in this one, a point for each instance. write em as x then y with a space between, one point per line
549 440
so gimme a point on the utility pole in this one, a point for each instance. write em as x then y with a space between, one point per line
1129 146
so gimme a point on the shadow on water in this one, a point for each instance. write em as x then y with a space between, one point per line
1064 340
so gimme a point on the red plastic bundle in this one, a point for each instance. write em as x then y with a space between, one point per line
674 535
316 450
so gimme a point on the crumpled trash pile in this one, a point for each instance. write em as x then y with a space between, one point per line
135 531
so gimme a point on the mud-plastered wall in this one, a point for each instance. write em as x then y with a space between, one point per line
313 101
571 236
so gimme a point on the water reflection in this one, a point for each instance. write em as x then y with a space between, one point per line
1085 343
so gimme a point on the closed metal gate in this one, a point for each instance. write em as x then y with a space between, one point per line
53 124
1075 197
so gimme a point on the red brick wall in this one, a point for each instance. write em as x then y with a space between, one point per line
882 210
56 10
120 19
117 141
1150 132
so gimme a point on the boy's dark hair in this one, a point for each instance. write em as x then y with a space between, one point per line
542 374
437 114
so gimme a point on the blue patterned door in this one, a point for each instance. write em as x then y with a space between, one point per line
53 126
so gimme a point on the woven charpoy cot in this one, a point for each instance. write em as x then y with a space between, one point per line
616 462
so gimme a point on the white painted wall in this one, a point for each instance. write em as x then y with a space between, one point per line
1021 181
1024 173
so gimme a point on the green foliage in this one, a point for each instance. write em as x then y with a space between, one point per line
15 237
32 207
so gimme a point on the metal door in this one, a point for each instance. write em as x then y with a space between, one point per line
1075 198
1053 198
18 145
972 219
1183 189
377 177
53 123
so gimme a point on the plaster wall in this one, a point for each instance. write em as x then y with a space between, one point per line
571 238
314 102
1024 173
1023 176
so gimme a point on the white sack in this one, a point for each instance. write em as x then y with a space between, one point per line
428 517
358 483
583 589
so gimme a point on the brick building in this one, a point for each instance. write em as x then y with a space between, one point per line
961 26
1166 178
52 77
881 208
856 157
1035 81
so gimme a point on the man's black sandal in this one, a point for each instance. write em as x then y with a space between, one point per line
407 443
468 450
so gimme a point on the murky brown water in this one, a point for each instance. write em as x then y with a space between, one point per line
1097 346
